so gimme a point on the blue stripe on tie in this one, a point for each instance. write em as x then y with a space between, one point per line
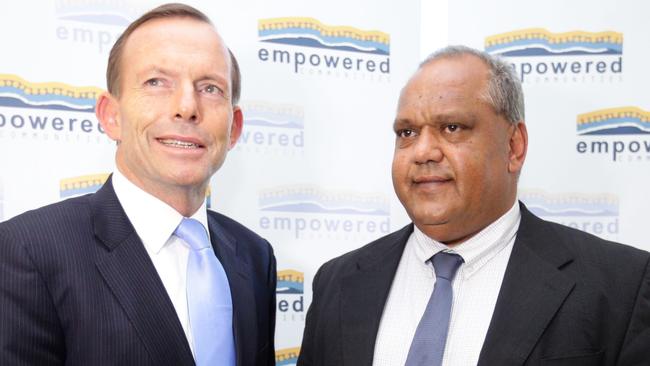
428 345
209 300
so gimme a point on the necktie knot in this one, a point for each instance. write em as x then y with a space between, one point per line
446 264
194 234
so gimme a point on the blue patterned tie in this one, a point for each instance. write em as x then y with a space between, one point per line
208 299
428 345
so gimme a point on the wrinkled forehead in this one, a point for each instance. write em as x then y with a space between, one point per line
183 35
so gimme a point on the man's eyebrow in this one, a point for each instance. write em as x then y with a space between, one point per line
212 75
216 77
435 120
154 70
402 122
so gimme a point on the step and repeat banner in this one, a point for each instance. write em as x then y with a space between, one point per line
584 67
311 171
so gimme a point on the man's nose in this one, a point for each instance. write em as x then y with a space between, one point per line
186 103
427 147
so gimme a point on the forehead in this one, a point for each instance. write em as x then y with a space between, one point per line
177 39
446 81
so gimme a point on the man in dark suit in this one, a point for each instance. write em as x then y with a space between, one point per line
141 273
476 278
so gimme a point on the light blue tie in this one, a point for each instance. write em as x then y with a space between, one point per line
428 345
209 301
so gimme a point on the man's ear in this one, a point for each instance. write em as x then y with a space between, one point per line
518 147
107 112
237 126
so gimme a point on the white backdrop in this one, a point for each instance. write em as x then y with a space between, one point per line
311 172
585 67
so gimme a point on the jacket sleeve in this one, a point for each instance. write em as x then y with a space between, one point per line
636 346
272 281
30 330
307 350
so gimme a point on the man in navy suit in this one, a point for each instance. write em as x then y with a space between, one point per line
514 289
105 279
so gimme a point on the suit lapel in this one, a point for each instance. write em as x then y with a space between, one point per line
532 291
363 295
134 281
243 299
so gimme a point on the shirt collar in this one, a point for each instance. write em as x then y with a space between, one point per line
154 220
477 250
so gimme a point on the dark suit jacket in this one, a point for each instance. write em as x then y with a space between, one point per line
77 287
567 298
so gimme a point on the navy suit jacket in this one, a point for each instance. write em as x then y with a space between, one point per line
77 287
568 298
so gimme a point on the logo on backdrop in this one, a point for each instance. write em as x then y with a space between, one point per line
287 356
306 46
50 110
542 56
594 213
290 300
620 134
95 24
85 184
308 211
77 186
272 127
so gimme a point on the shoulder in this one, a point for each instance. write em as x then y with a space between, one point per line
603 253
48 221
49 237
594 253
580 240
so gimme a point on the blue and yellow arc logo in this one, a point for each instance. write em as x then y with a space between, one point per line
569 204
19 93
279 116
84 184
290 282
286 356
309 32
541 42
312 199
614 121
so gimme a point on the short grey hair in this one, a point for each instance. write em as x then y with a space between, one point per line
504 91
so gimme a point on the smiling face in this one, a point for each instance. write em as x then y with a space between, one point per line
456 161
173 119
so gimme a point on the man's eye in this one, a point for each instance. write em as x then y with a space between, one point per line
153 82
405 133
212 89
452 127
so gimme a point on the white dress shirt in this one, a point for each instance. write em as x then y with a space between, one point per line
155 222
475 287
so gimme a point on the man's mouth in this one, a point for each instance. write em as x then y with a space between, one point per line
180 143
431 179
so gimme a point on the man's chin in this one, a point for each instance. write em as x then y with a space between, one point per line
187 180
431 216
439 228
